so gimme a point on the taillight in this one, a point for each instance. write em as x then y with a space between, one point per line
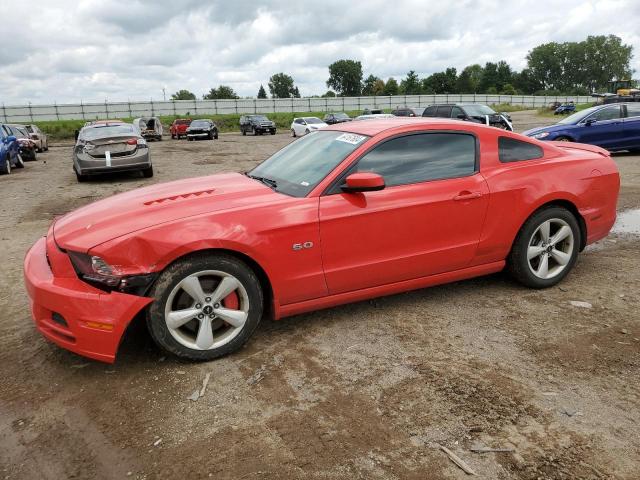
132 141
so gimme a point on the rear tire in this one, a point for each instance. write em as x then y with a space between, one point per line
215 136
206 334
148 172
546 248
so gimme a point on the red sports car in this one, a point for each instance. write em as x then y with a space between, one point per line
353 211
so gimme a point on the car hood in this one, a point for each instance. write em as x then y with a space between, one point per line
551 128
145 207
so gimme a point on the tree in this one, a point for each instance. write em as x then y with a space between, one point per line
345 77
378 87
295 93
221 93
262 93
391 87
606 58
183 95
329 94
368 86
504 75
489 78
469 79
441 82
411 84
508 89
281 86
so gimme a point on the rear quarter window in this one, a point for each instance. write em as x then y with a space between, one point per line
514 150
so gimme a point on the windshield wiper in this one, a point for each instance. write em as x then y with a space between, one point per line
267 181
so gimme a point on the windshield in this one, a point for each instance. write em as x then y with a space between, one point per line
301 165
478 110
199 123
341 115
92 133
259 118
576 117
312 120
183 122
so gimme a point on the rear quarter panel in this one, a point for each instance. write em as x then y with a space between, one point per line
583 175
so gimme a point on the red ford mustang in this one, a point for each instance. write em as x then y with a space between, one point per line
353 211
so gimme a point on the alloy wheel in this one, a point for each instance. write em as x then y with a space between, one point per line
207 310
550 248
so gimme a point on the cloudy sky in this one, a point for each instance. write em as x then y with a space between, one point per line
92 50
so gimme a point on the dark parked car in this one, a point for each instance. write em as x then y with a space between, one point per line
408 112
257 124
612 126
28 147
333 118
110 147
202 129
470 112
565 109
9 151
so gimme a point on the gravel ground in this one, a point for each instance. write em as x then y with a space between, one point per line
367 390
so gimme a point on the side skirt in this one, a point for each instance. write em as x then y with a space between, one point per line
388 289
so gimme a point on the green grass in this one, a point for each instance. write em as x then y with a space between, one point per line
546 112
65 129
507 107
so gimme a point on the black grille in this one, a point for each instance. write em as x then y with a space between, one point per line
59 319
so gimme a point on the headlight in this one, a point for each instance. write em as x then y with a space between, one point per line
541 135
94 269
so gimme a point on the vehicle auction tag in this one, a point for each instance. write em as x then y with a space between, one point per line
351 138
107 156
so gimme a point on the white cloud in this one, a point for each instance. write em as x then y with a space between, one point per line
130 49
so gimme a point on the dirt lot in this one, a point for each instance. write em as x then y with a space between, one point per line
361 391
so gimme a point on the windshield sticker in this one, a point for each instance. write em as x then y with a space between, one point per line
351 138
304 184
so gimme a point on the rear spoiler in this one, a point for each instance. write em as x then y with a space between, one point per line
581 146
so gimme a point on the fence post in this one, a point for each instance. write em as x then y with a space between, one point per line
175 114
4 113
195 106
82 109
55 105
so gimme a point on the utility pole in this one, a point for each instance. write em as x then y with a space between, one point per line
164 97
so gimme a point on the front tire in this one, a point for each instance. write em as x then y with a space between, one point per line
206 306
148 172
563 139
6 170
546 248
293 133
20 161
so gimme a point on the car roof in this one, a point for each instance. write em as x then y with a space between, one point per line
378 125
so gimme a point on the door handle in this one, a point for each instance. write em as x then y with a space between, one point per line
466 195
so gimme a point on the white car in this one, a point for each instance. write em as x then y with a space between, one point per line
41 139
303 125
375 116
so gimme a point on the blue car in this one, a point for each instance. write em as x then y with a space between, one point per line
9 151
565 109
614 127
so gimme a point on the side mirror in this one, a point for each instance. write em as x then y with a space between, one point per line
363 182
10 138
462 116
590 122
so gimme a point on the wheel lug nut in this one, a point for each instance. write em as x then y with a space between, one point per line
217 305
198 305
208 299
200 316
212 317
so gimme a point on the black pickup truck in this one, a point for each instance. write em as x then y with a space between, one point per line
257 124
